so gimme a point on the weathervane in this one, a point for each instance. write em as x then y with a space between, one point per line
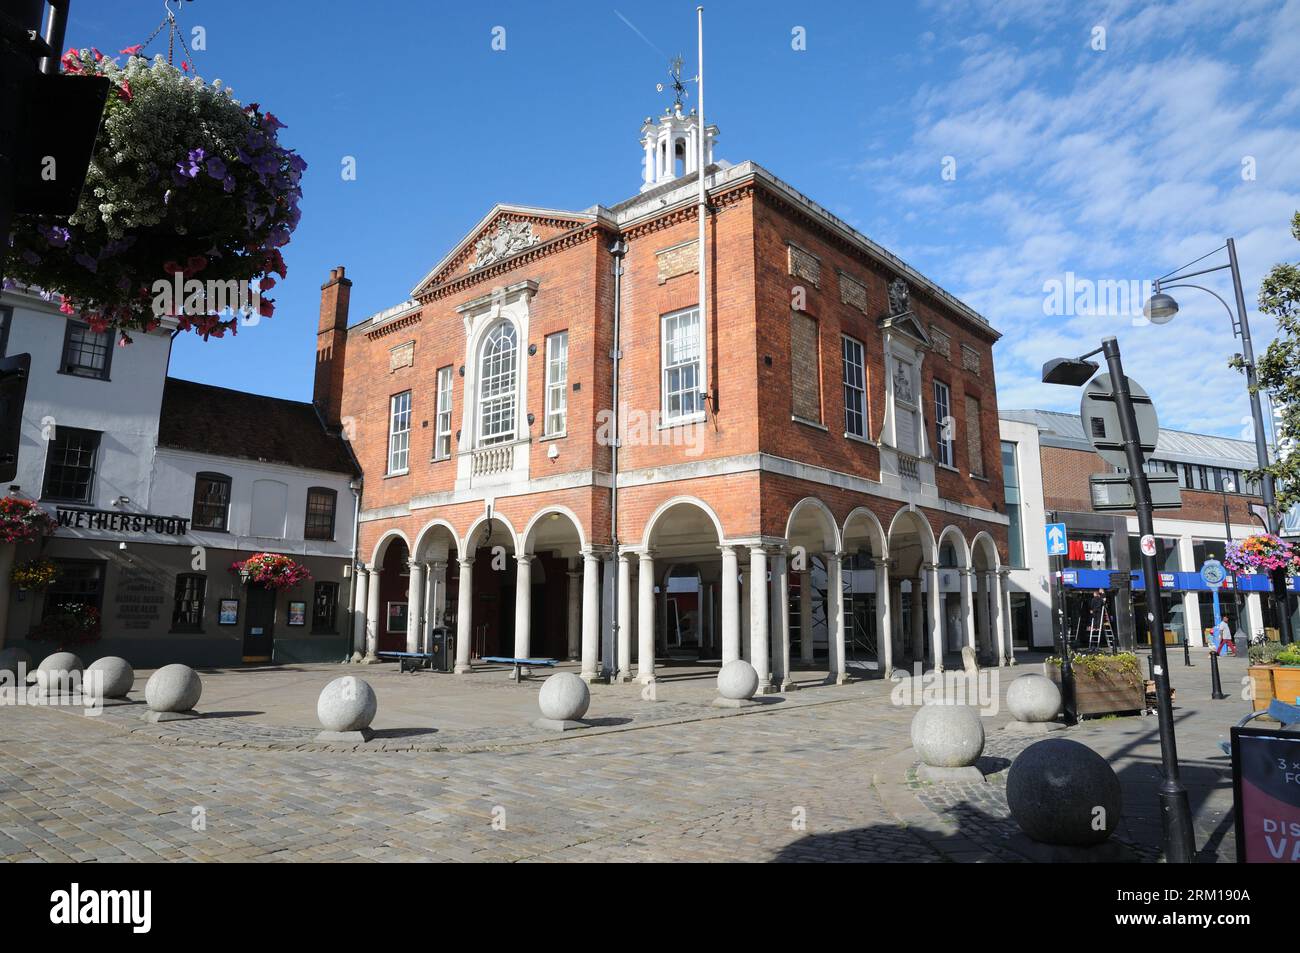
675 71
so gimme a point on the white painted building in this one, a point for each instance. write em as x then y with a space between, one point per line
158 486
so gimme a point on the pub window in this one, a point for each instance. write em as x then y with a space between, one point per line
78 581
86 353
211 502
187 611
70 465
324 607
320 513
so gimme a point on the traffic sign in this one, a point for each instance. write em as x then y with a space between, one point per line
1057 540
1113 491
1100 416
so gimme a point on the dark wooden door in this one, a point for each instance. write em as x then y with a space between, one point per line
259 624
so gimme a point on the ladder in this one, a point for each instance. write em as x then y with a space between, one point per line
1099 628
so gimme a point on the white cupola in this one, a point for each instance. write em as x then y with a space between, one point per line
672 146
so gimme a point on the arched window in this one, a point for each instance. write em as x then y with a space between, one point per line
498 380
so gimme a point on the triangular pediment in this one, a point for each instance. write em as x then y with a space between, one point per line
908 324
504 232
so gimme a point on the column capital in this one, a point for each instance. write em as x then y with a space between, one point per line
524 558
930 567
414 564
727 548
1003 572
466 562
437 564
646 555
880 562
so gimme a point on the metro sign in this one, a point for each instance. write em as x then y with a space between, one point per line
1087 550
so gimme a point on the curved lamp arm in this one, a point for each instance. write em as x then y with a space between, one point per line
1188 284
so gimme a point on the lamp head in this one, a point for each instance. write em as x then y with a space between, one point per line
1069 371
1160 308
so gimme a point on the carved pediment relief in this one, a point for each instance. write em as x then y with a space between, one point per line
510 237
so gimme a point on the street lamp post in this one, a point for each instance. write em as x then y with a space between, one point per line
1160 309
1175 808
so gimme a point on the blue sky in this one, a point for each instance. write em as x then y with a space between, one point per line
1114 164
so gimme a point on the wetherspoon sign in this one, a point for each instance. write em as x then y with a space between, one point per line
111 521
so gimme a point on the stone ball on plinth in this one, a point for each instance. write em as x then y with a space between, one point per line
117 674
737 680
55 671
173 687
10 659
948 736
564 697
347 704
1034 698
1062 792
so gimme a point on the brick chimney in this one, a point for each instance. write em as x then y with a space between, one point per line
331 346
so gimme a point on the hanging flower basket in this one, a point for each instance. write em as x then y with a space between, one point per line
34 574
188 190
22 521
271 571
1262 553
68 623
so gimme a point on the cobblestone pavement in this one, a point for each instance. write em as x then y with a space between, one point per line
825 774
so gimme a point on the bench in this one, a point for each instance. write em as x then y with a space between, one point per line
1288 716
519 663
410 661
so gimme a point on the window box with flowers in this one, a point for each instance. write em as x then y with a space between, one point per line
34 575
67 623
271 571
1274 670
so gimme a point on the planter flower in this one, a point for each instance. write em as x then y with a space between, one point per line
68 623
1262 553
34 574
271 571
188 190
22 521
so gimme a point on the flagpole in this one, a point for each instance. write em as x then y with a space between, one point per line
703 205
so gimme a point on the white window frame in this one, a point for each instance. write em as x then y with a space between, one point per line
442 419
856 390
399 433
557 384
944 449
669 391
501 405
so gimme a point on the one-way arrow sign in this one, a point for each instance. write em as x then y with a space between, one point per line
1057 542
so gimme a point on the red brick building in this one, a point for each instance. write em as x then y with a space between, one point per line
824 429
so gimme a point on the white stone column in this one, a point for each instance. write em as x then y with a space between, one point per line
730 605
645 656
414 604
438 582
760 652
465 616
968 608
359 599
985 641
372 615
624 650
1254 615
805 615
884 624
590 616
746 634
835 621
918 619
1004 589
998 618
934 614
523 604
575 609
781 622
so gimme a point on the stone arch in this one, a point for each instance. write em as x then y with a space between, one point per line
381 546
809 518
665 509
429 536
951 534
471 542
536 528
863 523
983 546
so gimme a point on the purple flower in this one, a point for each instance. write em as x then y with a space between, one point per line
56 235
228 183
217 168
189 167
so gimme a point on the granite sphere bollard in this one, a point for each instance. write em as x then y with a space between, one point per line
949 739
1063 793
172 692
117 674
564 699
737 683
11 659
345 709
1034 702
55 673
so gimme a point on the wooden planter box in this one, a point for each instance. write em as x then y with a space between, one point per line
1108 694
1275 681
